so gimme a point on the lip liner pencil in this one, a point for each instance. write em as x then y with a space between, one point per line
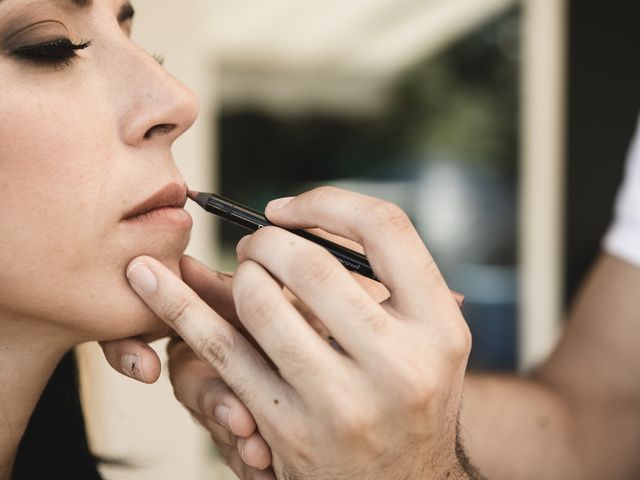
253 220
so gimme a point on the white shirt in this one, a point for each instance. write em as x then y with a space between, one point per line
623 238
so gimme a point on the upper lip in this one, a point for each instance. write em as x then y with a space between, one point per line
171 195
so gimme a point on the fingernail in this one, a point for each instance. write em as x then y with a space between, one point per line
132 366
142 278
277 204
222 414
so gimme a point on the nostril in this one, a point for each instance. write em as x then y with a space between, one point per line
162 129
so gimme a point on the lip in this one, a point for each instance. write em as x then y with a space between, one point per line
164 206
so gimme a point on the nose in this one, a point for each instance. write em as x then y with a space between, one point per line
157 107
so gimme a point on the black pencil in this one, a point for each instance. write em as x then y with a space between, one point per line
253 220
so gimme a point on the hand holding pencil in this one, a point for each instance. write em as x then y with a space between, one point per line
253 220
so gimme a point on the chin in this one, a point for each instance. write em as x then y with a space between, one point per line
125 314
136 321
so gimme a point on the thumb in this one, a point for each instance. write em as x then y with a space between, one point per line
133 358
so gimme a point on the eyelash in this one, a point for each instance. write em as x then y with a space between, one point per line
58 52
61 51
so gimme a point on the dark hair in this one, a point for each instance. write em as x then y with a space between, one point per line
55 445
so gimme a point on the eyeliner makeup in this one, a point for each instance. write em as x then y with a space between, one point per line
253 220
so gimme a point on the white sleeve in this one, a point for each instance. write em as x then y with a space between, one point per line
623 238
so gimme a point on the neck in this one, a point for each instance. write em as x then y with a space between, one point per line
29 353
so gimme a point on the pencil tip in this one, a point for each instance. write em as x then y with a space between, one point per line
198 197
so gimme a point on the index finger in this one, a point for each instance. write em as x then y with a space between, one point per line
208 334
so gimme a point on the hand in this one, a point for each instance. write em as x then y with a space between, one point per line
385 408
199 387
196 384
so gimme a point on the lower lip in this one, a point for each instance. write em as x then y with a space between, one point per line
166 216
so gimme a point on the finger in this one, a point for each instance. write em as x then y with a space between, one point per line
134 358
394 248
200 389
233 459
210 337
212 286
254 451
322 284
289 341
375 289
345 242
215 289
219 434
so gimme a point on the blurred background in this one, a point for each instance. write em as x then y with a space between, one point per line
500 126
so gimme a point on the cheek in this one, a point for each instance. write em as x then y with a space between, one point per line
72 274
63 252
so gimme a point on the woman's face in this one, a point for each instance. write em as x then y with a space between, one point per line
87 119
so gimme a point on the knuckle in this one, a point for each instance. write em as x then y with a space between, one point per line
388 216
317 268
416 395
207 398
258 305
216 348
300 448
414 388
294 437
357 427
354 423
296 359
458 345
324 194
262 236
370 312
176 311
